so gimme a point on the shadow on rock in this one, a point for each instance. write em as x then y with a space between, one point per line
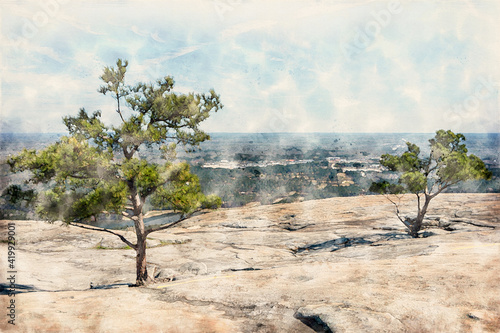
343 242
6 289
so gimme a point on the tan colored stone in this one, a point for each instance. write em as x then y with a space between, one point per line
260 276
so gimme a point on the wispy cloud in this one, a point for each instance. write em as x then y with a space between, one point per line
154 35
278 65
245 27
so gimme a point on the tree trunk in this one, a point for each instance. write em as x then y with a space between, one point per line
140 249
417 225
141 263
141 268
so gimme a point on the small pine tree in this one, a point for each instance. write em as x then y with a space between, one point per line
426 177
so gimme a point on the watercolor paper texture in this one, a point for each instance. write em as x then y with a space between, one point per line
314 93
279 66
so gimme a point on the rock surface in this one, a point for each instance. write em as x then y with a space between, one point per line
333 265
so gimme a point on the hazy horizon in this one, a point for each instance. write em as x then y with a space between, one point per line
278 133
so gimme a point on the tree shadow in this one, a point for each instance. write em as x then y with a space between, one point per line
7 289
343 242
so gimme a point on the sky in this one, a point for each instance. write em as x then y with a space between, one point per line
278 65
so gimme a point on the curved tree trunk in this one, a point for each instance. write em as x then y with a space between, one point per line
141 268
141 264
417 224
140 248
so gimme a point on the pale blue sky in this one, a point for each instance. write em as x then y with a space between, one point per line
279 66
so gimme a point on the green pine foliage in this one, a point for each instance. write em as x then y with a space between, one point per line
96 168
446 165
426 176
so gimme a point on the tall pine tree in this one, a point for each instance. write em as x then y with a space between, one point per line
96 168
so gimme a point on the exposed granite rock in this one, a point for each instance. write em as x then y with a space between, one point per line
350 268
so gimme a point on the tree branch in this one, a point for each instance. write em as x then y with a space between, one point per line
405 222
167 226
432 169
443 188
397 208
123 239
127 215
80 177
133 150
418 203
118 110
429 190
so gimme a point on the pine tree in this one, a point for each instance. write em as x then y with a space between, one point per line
96 168
426 177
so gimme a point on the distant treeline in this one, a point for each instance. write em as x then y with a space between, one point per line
266 185
294 182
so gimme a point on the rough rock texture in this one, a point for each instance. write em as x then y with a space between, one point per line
333 265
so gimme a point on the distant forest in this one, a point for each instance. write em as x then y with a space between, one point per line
297 182
275 168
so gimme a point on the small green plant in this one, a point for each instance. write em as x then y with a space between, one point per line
174 242
101 247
